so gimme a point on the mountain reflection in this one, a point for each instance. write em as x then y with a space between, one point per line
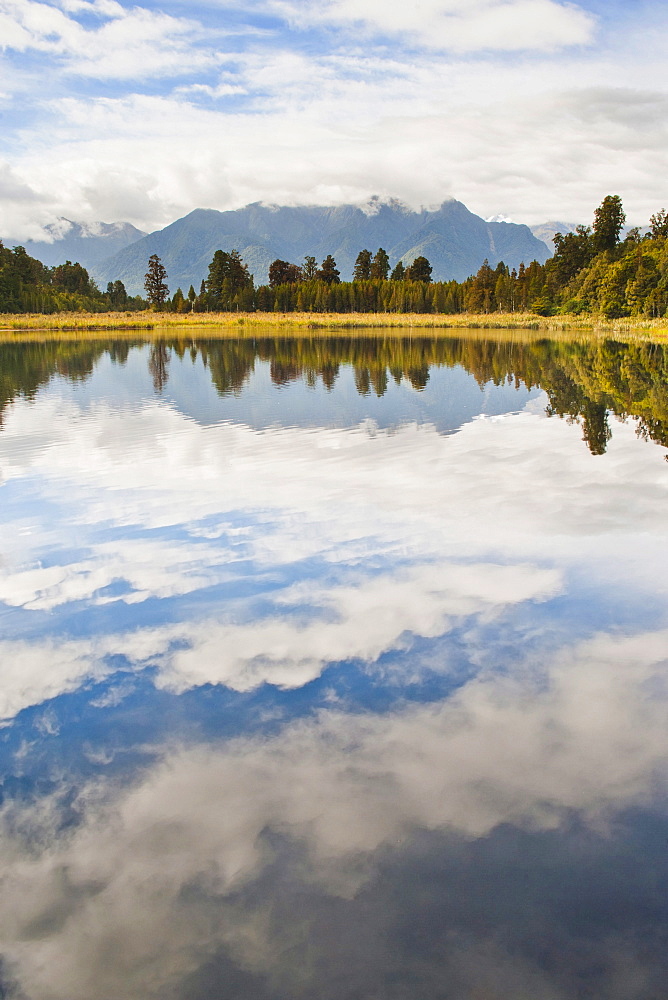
584 382
318 684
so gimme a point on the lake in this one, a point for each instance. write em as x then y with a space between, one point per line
334 669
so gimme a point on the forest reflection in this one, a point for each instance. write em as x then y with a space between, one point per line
584 382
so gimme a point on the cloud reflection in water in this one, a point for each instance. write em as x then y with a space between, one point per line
503 836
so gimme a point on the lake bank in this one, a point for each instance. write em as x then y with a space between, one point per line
92 325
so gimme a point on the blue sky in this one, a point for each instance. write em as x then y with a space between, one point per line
532 109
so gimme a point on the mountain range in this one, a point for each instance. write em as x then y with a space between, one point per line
455 241
89 244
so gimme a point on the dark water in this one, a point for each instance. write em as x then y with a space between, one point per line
334 669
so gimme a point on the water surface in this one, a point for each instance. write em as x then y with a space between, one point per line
334 669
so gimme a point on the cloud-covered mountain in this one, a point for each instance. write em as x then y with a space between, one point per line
89 244
455 240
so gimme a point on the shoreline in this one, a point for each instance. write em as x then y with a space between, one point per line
14 327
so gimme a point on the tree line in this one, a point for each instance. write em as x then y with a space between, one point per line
310 287
28 286
599 269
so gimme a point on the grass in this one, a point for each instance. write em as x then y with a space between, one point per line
223 325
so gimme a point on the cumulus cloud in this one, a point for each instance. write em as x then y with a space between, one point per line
177 869
342 129
358 622
367 107
35 671
130 43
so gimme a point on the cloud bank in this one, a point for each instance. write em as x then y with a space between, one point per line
533 108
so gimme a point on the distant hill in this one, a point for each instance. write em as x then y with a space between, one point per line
455 240
546 231
87 244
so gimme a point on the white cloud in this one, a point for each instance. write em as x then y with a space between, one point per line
32 672
129 44
146 568
460 25
474 538
361 621
367 107
155 874
336 128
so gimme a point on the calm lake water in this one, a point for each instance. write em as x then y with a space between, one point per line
334 669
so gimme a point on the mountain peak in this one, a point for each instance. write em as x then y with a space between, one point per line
89 243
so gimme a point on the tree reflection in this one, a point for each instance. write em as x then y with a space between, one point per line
585 382
158 365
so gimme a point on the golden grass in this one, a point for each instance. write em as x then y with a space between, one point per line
224 325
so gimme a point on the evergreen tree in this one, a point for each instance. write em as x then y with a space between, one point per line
25 268
283 273
380 265
155 282
228 277
419 270
399 272
362 271
659 225
178 301
118 296
609 219
71 278
328 272
572 252
309 268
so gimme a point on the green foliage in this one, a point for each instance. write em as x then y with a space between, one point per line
609 219
380 265
27 286
419 270
572 252
362 271
328 272
229 284
72 278
117 295
283 273
628 278
309 268
591 272
155 282
658 225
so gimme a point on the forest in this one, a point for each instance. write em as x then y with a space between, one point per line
603 270
28 286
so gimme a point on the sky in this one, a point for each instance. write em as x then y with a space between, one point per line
529 109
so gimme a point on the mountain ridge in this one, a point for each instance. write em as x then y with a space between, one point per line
86 243
454 239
